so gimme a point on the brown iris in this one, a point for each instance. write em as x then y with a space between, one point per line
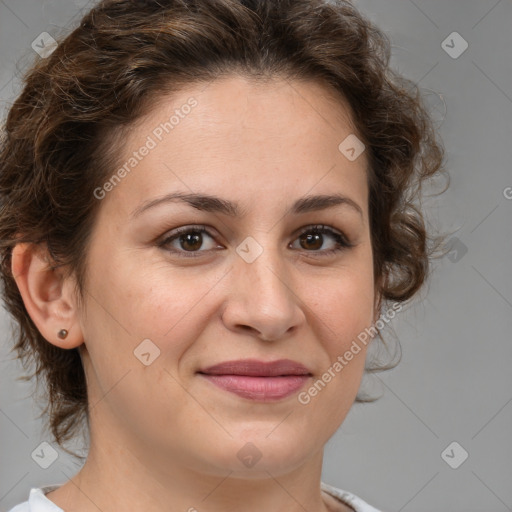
315 237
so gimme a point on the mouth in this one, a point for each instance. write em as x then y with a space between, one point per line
258 380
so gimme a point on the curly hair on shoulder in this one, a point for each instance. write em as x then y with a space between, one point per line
63 133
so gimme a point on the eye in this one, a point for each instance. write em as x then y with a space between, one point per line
187 241
313 237
190 238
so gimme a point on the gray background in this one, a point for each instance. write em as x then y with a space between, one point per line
454 382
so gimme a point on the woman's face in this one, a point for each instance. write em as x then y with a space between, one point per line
157 312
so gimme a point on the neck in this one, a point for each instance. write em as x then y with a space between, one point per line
146 480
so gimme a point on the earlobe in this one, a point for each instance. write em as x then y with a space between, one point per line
48 296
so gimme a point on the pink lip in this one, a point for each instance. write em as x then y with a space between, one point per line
258 380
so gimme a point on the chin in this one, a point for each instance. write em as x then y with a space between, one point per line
255 454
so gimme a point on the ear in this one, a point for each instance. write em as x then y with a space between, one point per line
49 298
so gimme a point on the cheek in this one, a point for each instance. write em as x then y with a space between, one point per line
345 308
345 303
345 313
144 300
136 305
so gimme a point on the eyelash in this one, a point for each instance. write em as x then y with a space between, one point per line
317 229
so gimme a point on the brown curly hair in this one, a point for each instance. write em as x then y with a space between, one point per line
64 132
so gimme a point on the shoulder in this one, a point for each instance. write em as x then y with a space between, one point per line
38 502
357 503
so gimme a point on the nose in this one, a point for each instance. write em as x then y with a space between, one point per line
262 298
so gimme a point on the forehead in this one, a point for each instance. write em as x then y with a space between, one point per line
266 104
235 136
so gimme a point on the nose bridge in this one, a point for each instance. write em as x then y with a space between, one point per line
262 261
267 301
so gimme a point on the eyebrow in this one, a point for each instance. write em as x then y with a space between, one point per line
214 204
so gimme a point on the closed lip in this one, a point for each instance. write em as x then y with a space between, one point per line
257 368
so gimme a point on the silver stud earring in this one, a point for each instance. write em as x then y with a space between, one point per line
63 333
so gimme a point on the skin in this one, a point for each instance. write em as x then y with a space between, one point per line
161 436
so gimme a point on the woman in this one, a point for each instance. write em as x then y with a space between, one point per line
206 206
